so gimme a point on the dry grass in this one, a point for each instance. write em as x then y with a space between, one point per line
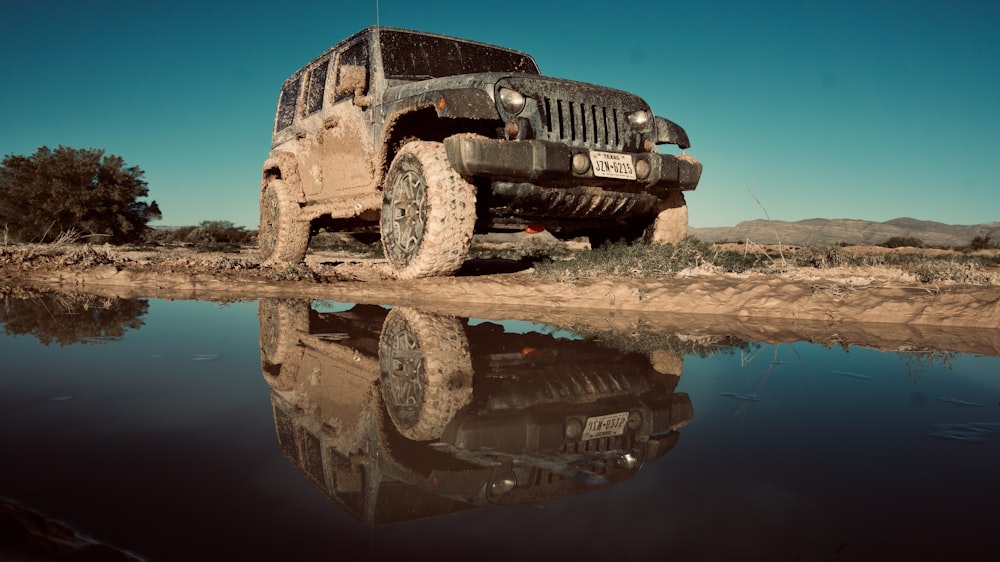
565 261
693 255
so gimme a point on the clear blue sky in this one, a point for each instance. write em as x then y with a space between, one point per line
832 109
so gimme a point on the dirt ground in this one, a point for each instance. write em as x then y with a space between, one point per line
879 307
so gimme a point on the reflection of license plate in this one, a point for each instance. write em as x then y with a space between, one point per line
612 165
605 426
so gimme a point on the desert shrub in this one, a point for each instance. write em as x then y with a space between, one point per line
903 242
357 244
207 236
962 270
67 189
647 342
742 262
225 232
179 235
982 243
70 318
635 260
822 257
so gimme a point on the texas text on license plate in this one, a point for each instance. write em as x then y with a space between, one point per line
612 165
605 426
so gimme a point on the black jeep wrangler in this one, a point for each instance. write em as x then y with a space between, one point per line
431 139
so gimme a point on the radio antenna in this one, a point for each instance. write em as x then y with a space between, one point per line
376 14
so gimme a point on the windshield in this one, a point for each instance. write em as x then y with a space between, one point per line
415 56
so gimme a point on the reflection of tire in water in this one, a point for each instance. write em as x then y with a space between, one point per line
281 321
426 371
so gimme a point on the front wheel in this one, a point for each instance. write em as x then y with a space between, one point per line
426 371
428 213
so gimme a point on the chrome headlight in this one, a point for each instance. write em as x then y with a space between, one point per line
629 461
502 483
512 101
639 119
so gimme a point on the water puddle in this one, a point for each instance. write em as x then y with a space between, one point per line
299 430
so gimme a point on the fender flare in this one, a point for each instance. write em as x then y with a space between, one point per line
458 103
283 165
467 103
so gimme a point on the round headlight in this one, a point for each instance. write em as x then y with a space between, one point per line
573 429
628 461
512 101
502 483
639 118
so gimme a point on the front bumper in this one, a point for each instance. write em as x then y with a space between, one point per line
549 163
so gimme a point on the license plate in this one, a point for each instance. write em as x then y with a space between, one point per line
605 426
612 165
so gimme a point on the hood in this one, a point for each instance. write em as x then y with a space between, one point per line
401 89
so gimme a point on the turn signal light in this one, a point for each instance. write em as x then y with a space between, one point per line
512 128
641 169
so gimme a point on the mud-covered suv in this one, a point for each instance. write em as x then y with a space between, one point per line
429 139
403 414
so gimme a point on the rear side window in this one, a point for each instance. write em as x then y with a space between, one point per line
315 84
355 55
286 103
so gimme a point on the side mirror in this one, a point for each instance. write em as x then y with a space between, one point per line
353 79
668 132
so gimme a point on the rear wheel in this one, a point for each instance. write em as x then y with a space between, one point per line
281 236
281 323
428 213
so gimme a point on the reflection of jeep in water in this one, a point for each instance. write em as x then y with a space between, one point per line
431 139
401 414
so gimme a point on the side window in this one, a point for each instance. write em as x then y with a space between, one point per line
286 103
315 84
355 55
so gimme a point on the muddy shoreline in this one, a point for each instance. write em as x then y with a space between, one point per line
872 308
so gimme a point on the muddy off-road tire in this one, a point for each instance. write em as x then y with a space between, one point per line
281 323
671 225
426 371
428 213
281 236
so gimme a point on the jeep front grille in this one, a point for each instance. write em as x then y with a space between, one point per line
550 384
582 124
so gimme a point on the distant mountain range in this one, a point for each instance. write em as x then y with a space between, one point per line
857 232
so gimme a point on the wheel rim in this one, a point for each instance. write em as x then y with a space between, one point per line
404 372
407 217
426 372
